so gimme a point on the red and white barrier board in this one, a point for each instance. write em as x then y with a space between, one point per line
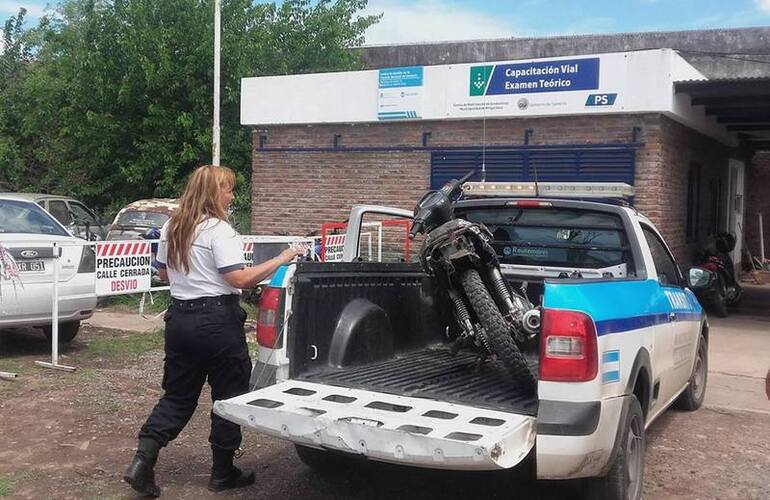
335 244
248 253
123 267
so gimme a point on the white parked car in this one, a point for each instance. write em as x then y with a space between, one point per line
27 233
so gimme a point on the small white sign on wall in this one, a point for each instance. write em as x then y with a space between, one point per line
400 93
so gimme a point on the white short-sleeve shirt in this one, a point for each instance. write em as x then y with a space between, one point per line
216 249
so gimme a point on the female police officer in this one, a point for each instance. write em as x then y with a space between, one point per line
201 256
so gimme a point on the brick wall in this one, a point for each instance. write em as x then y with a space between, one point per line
663 186
758 200
294 192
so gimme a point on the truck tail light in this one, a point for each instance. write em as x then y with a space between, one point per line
568 351
270 319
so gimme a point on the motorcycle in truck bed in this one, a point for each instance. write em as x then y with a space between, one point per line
362 359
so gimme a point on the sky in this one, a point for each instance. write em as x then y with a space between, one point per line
407 21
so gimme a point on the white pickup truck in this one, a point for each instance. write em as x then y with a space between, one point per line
355 359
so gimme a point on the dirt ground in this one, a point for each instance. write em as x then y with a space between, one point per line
70 435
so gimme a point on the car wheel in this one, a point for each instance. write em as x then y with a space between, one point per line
692 397
67 331
322 460
626 474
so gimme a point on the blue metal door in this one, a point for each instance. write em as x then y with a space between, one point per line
566 163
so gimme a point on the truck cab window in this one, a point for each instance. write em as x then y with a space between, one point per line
556 236
668 272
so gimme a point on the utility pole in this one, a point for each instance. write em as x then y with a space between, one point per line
217 47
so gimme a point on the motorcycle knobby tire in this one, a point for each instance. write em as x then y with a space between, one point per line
497 329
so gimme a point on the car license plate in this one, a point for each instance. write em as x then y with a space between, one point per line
31 266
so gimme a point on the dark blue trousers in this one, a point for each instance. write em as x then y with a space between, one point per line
204 340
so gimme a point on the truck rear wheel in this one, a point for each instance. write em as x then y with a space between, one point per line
496 328
626 475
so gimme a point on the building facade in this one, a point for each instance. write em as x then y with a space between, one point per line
323 143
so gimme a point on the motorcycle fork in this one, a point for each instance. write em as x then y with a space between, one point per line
462 313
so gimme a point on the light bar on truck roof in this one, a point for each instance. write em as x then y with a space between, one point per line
549 189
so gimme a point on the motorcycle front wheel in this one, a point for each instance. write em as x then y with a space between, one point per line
497 329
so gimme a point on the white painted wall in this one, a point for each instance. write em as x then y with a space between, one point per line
642 80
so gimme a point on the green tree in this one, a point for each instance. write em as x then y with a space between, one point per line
15 55
114 101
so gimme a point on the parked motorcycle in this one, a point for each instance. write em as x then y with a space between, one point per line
713 254
459 256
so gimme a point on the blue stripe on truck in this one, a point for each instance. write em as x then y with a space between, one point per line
278 278
616 306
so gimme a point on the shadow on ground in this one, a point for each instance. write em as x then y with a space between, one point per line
755 302
16 342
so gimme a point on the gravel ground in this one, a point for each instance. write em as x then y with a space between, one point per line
70 435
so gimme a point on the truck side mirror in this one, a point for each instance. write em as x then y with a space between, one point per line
699 278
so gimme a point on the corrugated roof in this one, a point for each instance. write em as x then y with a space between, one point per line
742 105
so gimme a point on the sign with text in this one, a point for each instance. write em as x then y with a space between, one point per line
400 93
123 267
533 88
535 77
333 247
248 253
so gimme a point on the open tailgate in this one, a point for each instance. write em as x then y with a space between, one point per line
385 427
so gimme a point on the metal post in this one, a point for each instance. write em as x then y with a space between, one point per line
761 241
217 44
55 308
55 317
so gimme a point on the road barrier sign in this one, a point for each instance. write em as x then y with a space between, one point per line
123 267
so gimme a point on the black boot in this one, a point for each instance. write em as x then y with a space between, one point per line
140 474
226 476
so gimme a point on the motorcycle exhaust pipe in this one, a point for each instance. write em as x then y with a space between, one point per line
531 321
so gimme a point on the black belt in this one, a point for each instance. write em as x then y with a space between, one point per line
203 302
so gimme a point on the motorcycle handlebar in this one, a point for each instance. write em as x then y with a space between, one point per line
417 226
452 187
466 177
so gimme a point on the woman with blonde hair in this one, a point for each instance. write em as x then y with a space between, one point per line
201 256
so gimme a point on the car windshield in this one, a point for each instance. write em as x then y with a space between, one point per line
140 218
27 218
562 237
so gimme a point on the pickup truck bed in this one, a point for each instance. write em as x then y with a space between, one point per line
372 374
376 327
434 373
